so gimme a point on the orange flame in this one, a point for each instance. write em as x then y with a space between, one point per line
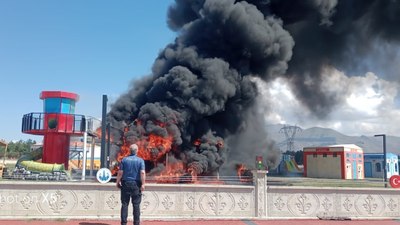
98 134
162 144
240 168
151 148
219 144
197 142
155 148
124 151
173 174
242 172
193 173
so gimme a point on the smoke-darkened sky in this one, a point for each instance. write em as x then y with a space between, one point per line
209 83
234 66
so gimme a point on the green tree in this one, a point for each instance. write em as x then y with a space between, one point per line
298 157
17 149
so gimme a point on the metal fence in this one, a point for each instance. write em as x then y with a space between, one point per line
35 123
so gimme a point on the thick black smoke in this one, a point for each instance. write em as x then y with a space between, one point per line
201 87
333 33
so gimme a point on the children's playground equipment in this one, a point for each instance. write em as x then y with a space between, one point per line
57 124
28 168
292 166
288 166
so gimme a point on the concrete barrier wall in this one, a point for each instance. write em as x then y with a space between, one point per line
340 203
47 200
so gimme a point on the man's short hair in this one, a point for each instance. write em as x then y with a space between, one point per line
134 149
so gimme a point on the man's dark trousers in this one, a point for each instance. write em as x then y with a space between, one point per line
130 190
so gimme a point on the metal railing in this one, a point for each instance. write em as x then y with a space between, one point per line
93 125
187 179
35 123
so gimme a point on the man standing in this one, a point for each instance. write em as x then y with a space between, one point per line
131 179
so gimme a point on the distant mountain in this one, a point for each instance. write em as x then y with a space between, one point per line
317 136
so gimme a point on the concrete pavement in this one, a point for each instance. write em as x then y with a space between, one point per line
204 222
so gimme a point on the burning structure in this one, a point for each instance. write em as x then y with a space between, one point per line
197 113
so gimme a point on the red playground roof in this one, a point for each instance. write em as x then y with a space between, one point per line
59 94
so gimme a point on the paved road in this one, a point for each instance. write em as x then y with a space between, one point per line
206 222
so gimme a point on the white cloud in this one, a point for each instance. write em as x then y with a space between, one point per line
368 106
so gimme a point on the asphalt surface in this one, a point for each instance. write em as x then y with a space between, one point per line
204 222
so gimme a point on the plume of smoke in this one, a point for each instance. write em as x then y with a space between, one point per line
200 86
251 140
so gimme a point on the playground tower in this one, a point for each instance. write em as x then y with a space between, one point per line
57 123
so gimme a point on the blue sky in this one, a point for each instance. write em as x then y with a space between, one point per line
90 47
96 47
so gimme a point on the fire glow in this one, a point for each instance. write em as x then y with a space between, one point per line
243 173
158 152
154 148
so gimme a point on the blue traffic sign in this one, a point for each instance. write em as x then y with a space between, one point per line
103 175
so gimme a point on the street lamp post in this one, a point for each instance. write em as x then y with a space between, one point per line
384 157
